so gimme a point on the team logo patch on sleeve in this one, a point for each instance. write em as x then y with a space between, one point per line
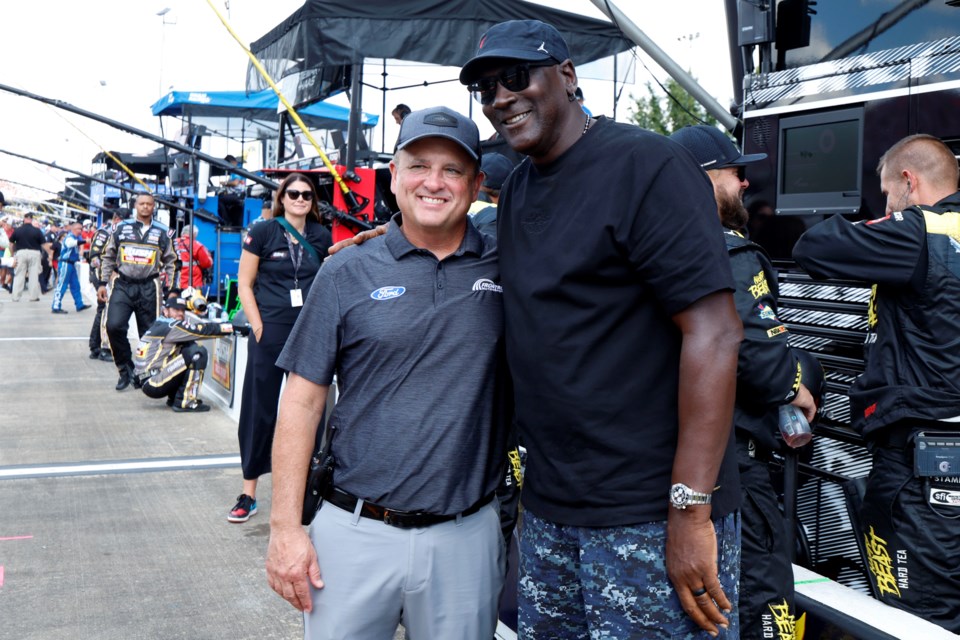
247 240
765 312
485 284
776 331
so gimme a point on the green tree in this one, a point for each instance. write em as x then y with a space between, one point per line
662 114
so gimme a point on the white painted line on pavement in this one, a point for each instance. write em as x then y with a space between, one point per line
127 466
21 339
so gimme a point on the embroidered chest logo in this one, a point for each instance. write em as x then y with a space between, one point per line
485 284
388 293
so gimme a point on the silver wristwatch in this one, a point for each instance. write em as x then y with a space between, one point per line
682 496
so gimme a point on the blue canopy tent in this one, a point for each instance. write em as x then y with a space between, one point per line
260 107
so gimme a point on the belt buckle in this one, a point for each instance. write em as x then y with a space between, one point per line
387 519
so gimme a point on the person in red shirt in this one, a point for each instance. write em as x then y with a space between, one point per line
201 258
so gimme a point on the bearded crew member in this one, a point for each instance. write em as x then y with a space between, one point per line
140 252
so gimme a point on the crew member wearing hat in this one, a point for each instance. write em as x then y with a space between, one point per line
169 362
495 169
411 323
769 374
622 339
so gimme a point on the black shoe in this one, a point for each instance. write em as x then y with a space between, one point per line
105 355
125 379
95 354
170 401
86 306
58 311
197 406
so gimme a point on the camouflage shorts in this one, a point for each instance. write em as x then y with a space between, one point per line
591 583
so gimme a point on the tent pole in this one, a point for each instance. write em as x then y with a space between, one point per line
353 127
383 109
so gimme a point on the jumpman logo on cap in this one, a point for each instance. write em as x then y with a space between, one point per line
543 48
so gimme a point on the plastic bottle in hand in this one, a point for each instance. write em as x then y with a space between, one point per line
794 426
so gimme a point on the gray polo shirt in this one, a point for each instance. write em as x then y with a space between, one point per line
417 347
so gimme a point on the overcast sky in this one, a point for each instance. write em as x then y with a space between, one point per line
117 57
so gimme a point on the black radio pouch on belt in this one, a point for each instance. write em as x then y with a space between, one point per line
936 454
319 479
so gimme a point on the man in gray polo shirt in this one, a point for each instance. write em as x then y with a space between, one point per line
411 323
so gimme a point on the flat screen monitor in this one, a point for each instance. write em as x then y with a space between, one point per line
819 169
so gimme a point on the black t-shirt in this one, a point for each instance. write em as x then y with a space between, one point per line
277 275
27 236
598 250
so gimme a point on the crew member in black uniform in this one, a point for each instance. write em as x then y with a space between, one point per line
98 330
768 375
911 384
169 362
140 252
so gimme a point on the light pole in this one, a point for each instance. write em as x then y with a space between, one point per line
163 33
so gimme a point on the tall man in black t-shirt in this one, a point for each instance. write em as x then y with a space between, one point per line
622 341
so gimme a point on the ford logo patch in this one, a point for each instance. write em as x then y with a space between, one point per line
386 293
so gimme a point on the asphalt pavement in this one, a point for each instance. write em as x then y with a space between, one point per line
113 507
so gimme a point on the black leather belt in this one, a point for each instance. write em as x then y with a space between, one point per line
394 518
130 280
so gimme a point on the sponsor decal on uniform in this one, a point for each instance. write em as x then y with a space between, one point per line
776 331
765 312
881 564
485 284
388 293
248 239
779 623
869 411
760 286
278 254
944 497
138 255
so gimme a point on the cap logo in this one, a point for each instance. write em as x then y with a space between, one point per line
543 48
483 41
440 120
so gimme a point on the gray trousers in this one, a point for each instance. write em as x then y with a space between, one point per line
28 267
441 582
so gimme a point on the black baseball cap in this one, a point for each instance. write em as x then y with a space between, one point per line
495 168
527 40
440 122
712 148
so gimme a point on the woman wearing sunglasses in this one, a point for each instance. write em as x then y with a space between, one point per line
280 258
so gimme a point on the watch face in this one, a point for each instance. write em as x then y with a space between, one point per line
679 494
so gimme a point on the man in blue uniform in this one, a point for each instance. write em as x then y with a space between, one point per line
412 325
910 516
67 277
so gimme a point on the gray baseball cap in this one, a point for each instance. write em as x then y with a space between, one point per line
440 122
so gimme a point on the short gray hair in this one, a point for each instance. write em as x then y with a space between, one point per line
188 230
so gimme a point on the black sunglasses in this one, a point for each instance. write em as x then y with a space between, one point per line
515 78
294 194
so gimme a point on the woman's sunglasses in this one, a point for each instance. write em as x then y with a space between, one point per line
515 78
293 194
